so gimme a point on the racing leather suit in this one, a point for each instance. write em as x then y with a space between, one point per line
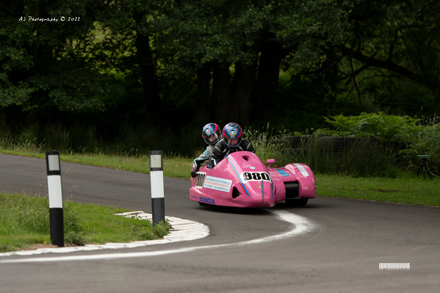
221 150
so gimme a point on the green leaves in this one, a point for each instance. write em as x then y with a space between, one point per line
70 88
391 56
425 141
378 125
198 32
47 63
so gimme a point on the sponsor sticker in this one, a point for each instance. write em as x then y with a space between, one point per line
302 169
206 200
283 173
216 183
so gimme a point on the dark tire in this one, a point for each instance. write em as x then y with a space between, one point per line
244 211
300 202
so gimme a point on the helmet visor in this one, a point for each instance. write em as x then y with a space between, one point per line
213 137
232 141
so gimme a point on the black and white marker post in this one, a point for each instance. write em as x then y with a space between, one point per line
157 188
55 198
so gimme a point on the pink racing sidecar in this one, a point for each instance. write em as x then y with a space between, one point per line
242 180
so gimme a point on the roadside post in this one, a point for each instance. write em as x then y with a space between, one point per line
55 191
157 187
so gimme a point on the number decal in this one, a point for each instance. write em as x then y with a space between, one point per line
200 179
256 176
247 176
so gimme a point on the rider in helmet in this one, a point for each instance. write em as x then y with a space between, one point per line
211 134
232 142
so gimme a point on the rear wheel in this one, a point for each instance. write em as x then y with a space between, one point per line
298 202
245 211
292 195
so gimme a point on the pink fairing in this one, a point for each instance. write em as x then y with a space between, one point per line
243 180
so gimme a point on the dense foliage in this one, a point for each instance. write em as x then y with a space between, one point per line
46 63
414 137
378 125
134 72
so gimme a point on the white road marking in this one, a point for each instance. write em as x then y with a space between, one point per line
301 226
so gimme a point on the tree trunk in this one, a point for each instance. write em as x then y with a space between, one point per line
232 100
242 86
150 83
43 51
222 104
266 86
203 98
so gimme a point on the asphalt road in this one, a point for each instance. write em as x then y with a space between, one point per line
342 252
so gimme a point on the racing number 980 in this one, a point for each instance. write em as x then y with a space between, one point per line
256 176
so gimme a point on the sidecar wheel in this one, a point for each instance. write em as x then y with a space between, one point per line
300 202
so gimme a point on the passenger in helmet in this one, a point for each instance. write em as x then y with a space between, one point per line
232 142
211 134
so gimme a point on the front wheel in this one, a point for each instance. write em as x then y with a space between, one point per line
300 202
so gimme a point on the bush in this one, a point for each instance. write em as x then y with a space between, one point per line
267 143
426 141
377 125
365 157
419 136
128 139
356 157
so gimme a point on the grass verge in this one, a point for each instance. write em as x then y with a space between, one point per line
174 166
24 221
404 188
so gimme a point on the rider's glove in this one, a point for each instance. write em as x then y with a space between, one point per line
196 167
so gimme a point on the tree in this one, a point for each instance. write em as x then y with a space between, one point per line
240 43
44 56
394 44
126 47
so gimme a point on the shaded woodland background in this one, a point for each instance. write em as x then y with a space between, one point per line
136 72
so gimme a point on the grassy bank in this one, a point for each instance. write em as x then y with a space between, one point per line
174 166
403 188
24 221
406 188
